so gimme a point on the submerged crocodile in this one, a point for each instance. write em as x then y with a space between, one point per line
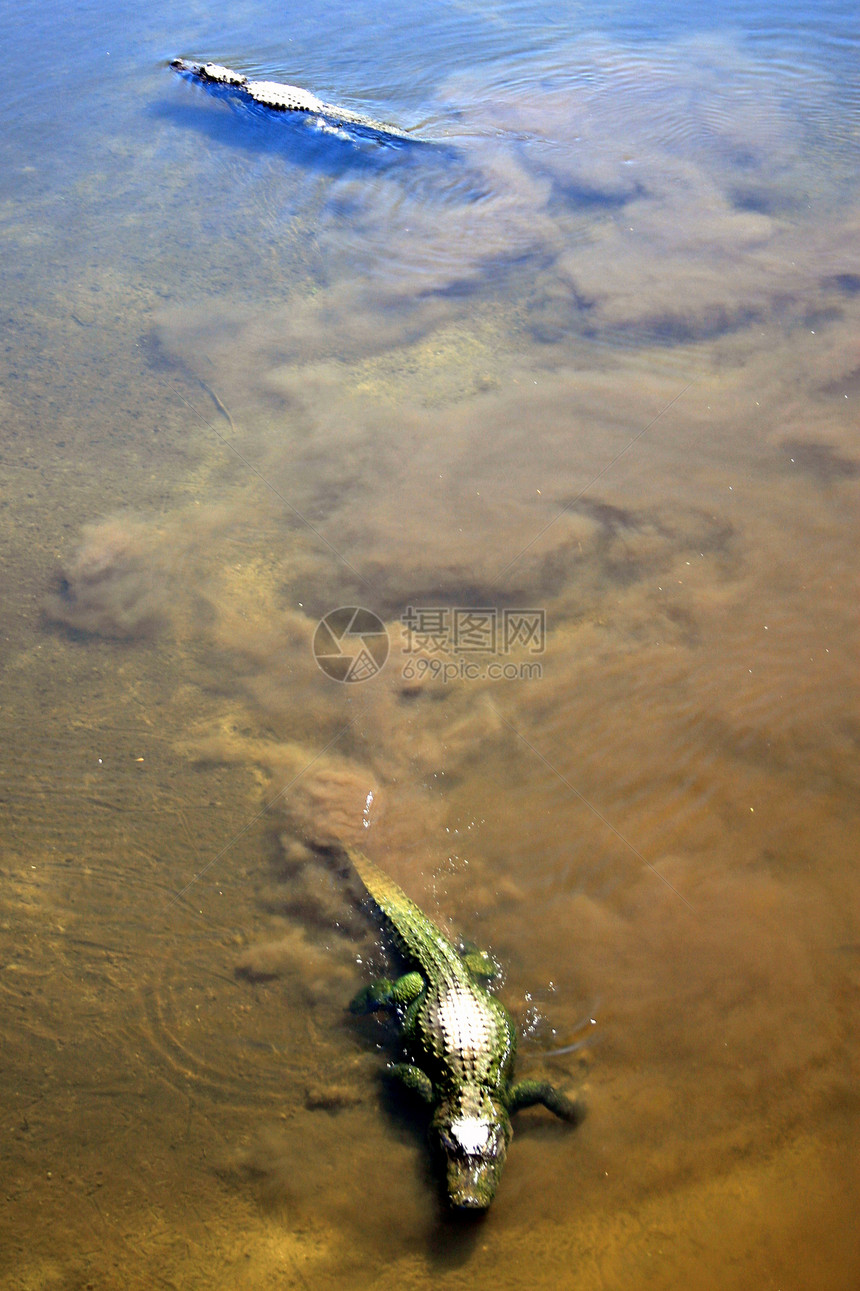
459 1043
284 98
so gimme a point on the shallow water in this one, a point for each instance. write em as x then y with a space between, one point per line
590 351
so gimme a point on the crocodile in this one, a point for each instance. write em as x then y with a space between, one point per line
459 1045
285 98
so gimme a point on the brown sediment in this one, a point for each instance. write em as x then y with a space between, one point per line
658 833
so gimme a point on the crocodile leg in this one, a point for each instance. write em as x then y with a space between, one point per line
481 965
413 1079
385 994
526 1093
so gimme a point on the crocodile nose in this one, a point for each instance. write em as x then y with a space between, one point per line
471 1185
470 1203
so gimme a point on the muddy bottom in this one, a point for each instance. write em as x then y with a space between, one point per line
568 411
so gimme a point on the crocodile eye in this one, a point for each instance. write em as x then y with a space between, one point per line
448 1142
494 1144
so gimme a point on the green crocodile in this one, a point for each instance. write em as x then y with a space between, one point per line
459 1045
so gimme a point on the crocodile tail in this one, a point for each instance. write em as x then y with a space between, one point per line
417 936
390 898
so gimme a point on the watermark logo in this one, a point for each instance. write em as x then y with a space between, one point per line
461 668
438 643
461 630
351 644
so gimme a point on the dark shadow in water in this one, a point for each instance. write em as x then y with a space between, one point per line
502 273
761 201
573 196
848 283
453 1235
251 127
288 135
451 1242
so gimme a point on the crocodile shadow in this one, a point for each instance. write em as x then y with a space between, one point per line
301 138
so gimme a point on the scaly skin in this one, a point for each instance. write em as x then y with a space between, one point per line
459 1045
282 98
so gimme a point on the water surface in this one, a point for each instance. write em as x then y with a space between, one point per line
592 351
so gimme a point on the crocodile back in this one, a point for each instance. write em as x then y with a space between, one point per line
463 1033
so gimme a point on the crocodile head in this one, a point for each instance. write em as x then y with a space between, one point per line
473 1130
